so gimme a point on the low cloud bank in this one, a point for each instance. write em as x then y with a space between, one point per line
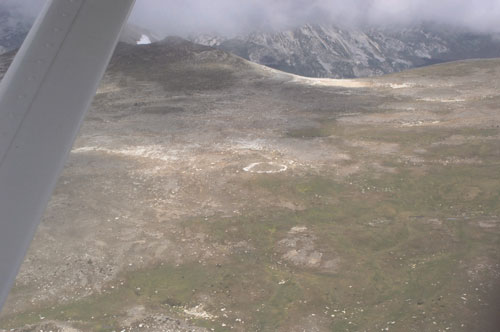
232 17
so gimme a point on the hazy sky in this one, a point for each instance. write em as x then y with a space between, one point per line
184 17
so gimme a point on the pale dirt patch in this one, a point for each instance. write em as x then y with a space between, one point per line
48 326
443 100
420 151
485 269
492 223
198 312
147 151
397 119
344 171
251 145
455 140
161 322
379 222
310 323
435 222
299 248
134 314
398 85
345 83
457 161
375 147
298 229
377 167
304 257
330 82
419 123
108 87
265 168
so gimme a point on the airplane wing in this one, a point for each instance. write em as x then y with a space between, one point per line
43 98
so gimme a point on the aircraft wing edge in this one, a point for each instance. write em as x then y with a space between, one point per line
43 99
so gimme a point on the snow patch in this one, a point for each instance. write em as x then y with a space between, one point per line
145 40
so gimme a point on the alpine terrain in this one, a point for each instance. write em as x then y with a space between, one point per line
209 193
316 50
347 52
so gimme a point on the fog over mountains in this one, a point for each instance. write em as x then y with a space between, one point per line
317 50
345 52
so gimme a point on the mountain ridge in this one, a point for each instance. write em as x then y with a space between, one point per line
345 52
318 50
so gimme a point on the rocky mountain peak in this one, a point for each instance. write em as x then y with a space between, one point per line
344 52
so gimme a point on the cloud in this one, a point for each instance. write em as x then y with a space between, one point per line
29 8
230 17
237 16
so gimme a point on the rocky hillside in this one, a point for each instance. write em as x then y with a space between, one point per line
330 51
317 50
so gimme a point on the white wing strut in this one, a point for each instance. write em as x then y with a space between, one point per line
43 98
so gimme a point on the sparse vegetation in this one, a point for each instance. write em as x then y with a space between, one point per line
372 226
